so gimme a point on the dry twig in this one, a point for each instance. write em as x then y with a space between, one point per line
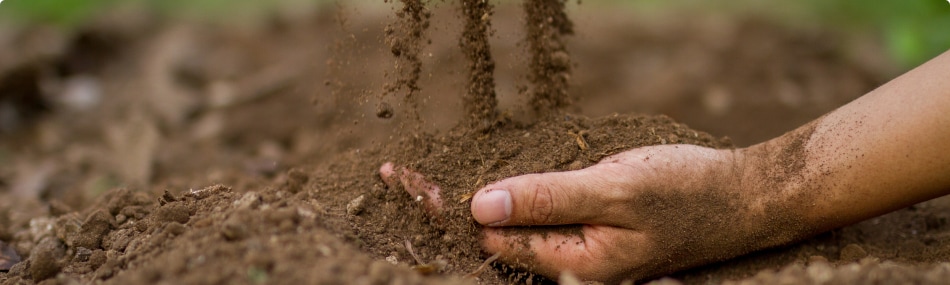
483 266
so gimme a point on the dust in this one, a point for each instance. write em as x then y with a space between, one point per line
406 39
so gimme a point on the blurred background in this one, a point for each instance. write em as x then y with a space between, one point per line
912 30
156 95
182 93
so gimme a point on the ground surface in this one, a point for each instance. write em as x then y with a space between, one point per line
141 150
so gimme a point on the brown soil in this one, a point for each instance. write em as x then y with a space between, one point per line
215 156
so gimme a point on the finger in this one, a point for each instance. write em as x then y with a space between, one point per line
590 257
388 173
415 184
584 196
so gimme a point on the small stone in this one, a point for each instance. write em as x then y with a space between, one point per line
83 254
560 59
392 259
355 207
250 200
384 110
852 252
234 230
120 219
41 227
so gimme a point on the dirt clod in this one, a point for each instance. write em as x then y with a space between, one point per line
46 258
174 212
92 230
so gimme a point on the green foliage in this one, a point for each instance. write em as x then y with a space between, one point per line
914 30
70 13
60 12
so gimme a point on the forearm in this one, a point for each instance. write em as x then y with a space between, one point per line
881 152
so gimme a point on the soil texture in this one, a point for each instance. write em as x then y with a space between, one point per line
138 150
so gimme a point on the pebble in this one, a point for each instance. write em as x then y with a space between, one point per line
384 110
852 252
234 230
392 259
355 206
250 200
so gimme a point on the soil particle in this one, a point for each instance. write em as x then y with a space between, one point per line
296 180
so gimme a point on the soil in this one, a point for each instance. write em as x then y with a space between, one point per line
142 150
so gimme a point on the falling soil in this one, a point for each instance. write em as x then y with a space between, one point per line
546 23
406 38
479 99
225 174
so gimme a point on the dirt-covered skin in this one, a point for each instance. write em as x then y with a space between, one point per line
188 106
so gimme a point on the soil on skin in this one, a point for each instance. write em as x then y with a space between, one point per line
214 155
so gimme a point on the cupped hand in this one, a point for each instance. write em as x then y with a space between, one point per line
642 213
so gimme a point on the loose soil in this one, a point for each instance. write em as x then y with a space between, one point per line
212 155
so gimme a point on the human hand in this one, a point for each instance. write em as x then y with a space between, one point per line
644 212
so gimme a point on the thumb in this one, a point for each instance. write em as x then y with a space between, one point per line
557 198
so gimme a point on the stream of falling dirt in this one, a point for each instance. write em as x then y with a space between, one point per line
479 100
546 25
406 39
550 64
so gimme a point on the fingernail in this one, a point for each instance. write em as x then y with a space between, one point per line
491 207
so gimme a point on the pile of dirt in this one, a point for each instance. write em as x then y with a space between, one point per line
296 197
